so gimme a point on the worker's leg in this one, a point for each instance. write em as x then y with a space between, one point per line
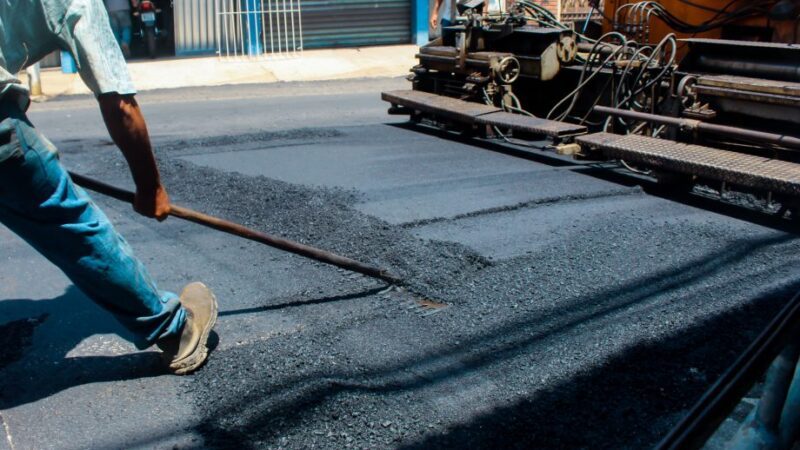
126 36
444 23
125 25
115 26
790 417
39 202
764 425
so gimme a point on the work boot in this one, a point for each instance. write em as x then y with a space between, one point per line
187 352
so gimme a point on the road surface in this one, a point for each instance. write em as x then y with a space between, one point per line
572 308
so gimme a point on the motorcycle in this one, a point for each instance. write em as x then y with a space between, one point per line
147 12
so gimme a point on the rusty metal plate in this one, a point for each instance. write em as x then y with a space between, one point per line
486 56
722 165
741 44
776 99
761 85
530 124
440 105
439 51
478 113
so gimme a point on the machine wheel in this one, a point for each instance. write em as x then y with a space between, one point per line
150 40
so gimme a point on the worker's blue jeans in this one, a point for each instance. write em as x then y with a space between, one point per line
443 23
39 202
121 26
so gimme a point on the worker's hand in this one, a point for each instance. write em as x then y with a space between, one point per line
152 202
434 19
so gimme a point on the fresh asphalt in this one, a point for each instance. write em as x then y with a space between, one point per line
582 310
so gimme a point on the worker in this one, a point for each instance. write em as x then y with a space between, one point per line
40 203
119 15
443 15
494 6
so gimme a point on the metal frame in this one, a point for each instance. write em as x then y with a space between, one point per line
277 26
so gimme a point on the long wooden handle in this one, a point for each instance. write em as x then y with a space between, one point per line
244 232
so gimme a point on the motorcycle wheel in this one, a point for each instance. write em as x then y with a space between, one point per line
150 39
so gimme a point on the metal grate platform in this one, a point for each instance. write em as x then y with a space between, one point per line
479 114
722 165
530 124
449 107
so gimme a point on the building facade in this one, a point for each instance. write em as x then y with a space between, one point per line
325 23
197 27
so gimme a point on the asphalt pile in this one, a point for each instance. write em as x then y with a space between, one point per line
326 218
599 341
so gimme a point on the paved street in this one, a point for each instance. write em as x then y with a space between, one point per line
580 310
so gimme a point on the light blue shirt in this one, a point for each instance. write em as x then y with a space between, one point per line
31 29
495 6
118 5
448 10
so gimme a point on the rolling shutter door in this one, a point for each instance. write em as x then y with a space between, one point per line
355 23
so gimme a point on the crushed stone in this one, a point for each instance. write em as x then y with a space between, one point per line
598 341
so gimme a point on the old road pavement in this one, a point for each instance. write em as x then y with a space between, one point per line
550 304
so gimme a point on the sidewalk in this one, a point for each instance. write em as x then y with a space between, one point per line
313 65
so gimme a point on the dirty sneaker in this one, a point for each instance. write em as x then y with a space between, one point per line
187 352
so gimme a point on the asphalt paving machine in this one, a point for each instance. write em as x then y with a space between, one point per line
701 95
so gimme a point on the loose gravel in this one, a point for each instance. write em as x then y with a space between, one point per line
599 340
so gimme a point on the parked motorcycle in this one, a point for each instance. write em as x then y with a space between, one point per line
147 12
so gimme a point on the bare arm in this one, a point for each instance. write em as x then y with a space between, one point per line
128 129
435 13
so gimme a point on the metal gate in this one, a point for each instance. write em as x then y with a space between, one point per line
355 23
257 27
326 23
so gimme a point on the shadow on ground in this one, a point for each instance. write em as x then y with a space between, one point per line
605 171
631 401
37 337
627 402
